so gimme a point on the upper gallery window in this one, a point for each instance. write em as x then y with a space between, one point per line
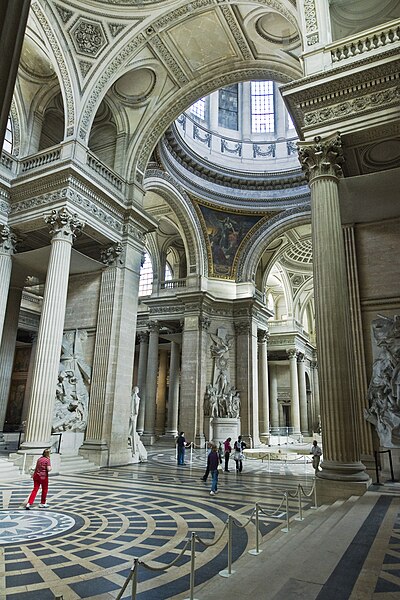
228 107
146 277
262 107
198 109
8 139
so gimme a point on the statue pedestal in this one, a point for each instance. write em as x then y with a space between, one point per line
224 427
71 441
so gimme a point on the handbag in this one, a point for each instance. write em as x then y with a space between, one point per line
219 468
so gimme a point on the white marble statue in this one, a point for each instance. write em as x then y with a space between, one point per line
134 440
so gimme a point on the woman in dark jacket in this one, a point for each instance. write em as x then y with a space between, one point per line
213 461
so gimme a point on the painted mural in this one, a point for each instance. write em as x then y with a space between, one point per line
225 233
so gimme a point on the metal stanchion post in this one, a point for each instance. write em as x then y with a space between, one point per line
135 577
228 572
315 496
192 564
300 517
257 548
286 529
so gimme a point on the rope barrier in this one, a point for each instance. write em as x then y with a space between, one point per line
231 521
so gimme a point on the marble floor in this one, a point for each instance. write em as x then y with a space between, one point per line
84 544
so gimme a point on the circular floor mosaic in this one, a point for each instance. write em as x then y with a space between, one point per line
18 526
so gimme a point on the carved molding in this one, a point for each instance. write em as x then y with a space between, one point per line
166 56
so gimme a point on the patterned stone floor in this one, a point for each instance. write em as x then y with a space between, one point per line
83 545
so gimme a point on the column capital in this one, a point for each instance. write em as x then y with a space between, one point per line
314 364
242 327
153 326
204 323
112 256
322 157
262 336
8 240
143 337
292 353
300 357
63 225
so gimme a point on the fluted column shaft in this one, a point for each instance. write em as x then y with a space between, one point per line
294 392
173 392
263 380
302 395
161 393
322 161
247 378
315 389
40 417
151 383
359 378
273 396
7 249
142 372
7 349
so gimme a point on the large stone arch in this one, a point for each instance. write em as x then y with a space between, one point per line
274 227
61 67
178 200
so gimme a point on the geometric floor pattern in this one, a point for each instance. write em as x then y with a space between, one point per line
97 522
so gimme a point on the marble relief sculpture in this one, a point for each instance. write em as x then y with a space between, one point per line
72 389
221 398
384 387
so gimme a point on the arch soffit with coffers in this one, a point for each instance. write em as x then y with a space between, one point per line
189 226
62 66
265 235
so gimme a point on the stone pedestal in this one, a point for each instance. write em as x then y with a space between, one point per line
71 441
224 427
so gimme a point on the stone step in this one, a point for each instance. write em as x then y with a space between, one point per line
11 471
75 464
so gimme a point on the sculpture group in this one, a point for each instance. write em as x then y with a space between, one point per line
384 387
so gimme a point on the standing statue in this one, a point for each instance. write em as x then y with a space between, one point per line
134 440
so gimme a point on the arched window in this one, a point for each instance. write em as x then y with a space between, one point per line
262 107
146 277
168 272
8 139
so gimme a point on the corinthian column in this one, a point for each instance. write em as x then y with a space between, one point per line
63 229
143 337
173 392
322 162
7 249
294 392
151 384
263 383
302 394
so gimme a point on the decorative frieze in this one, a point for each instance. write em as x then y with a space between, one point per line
387 97
168 59
88 37
236 32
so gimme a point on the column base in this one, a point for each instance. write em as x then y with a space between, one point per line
32 454
339 471
96 453
172 434
200 440
329 490
148 439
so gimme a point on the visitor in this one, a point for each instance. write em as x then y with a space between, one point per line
316 456
207 471
40 478
227 453
238 456
181 445
213 462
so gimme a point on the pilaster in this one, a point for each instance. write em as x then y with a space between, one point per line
7 248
